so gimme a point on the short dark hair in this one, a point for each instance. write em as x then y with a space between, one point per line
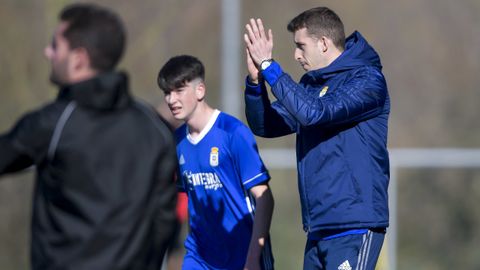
99 30
320 21
180 70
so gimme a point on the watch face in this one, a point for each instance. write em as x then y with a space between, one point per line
265 64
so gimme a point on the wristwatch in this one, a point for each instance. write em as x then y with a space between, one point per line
265 64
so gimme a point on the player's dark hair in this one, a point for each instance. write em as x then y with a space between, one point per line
320 21
98 30
180 70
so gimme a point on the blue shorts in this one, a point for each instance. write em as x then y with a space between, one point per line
350 252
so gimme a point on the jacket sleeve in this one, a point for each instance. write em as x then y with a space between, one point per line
360 98
165 193
27 142
15 153
12 159
266 119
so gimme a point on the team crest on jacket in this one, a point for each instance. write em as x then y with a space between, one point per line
214 156
323 92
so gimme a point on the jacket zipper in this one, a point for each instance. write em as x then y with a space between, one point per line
306 226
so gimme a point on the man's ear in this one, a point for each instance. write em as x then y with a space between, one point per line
324 43
200 90
81 59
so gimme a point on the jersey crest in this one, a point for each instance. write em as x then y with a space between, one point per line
214 156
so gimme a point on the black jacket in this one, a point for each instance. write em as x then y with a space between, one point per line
104 196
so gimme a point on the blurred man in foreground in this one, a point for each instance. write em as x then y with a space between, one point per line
104 196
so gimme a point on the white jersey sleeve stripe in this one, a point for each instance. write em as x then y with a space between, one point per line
253 178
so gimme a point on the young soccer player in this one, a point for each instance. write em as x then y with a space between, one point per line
230 204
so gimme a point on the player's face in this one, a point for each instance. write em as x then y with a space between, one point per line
183 101
59 55
309 51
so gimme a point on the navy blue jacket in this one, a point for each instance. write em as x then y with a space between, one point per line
340 115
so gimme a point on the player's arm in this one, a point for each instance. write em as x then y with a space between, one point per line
261 225
11 158
265 119
360 98
29 140
16 151
255 179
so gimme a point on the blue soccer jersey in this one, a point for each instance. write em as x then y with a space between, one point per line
217 169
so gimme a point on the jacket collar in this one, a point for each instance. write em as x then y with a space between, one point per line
106 91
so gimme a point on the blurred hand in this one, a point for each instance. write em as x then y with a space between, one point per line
258 43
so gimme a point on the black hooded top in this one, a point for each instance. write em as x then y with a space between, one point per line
104 196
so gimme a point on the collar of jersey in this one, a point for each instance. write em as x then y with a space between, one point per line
205 130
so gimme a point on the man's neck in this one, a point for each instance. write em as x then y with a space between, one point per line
334 55
83 75
200 119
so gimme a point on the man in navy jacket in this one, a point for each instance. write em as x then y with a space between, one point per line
339 111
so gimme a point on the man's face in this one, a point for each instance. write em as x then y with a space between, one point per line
59 54
183 101
309 51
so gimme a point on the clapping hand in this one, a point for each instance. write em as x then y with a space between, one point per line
259 47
